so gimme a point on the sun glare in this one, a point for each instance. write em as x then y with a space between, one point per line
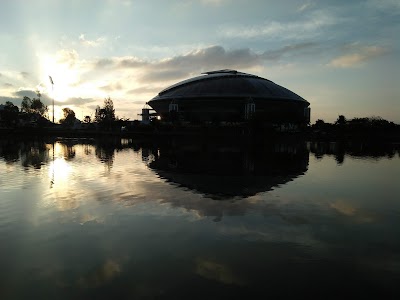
64 78
59 167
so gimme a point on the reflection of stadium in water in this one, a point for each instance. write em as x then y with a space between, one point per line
224 171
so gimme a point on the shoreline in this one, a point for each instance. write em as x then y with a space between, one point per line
206 132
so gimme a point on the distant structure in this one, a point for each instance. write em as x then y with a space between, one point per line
146 114
231 96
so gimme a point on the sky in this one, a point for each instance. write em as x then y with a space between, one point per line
342 56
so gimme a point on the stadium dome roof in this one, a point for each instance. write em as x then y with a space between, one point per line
227 84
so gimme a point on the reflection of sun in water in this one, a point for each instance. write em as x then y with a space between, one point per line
60 170
61 195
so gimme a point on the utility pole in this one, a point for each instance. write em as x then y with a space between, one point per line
52 89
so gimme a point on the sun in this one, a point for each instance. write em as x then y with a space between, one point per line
64 76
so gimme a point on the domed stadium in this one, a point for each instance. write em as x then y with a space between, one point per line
230 96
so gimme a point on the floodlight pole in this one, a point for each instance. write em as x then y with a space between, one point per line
52 90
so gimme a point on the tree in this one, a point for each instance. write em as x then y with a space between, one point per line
87 119
38 107
105 116
69 117
109 108
9 106
341 120
34 106
9 114
26 105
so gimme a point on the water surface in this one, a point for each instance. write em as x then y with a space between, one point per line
123 219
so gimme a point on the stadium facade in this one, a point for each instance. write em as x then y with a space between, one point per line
230 96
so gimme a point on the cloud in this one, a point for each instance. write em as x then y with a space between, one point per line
162 75
67 57
92 107
77 101
145 90
213 2
295 48
7 85
305 6
84 82
131 62
181 66
46 99
112 87
141 72
126 3
91 43
120 62
103 62
24 75
357 57
308 28
213 57
126 77
28 93
14 100
390 6
32 94
11 75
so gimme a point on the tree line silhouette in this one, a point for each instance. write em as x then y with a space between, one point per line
372 127
34 113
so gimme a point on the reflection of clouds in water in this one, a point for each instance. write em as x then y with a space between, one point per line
9 177
291 225
357 214
388 263
86 217
82 181
131 183
274 233
205 207
344 207
66 200
213 270
100 275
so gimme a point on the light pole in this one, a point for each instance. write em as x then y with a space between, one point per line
52 89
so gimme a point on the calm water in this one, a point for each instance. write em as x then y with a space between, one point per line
85 219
